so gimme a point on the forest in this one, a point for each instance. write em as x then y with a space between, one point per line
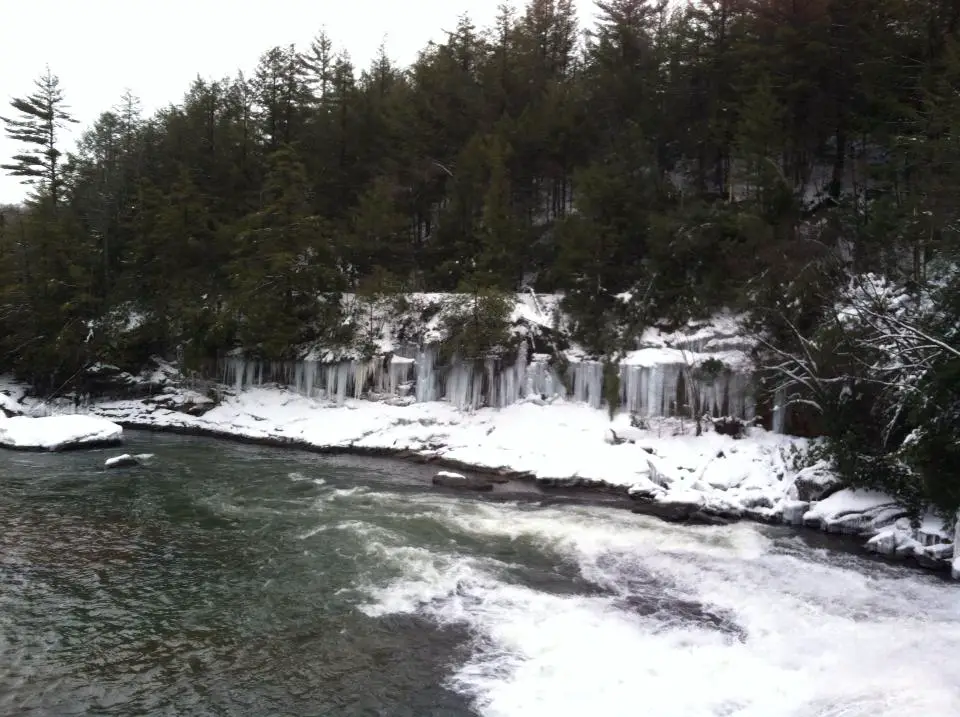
792 160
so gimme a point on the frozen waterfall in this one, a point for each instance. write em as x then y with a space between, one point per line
662 386
955 572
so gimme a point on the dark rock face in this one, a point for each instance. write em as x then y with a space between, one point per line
455 480
689 513
729 426
191 403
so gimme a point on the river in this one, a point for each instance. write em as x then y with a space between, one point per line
224 579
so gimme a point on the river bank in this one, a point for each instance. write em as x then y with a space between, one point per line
224 578
663 467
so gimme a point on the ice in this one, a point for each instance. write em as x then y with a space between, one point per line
660 378
58 433
656 390
127 459
848 500
896 540
955 572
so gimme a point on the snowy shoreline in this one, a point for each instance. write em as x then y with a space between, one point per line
664 468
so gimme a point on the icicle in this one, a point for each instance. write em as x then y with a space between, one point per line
494 397
955 572
779 417
426 377
588 383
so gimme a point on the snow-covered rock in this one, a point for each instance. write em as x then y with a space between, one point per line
794 510
894 541
449 479
901 540
58 433
816 482
185 401
849 511
9 407
127 460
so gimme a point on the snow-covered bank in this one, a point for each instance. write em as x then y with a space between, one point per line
664 467
668 470
58 433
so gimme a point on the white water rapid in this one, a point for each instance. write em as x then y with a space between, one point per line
667 621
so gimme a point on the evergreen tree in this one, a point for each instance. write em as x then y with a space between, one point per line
41 118
281 264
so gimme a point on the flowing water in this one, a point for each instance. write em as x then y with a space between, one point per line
224 579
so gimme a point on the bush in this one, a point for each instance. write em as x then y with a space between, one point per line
611 387
476 325
729 426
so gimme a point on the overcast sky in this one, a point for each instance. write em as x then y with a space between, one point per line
100 47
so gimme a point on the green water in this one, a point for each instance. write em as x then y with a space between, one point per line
224 579
192 586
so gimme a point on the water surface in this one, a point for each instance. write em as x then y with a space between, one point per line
225 579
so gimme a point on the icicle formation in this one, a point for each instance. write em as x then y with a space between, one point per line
466 384
667 390
955 572
779 419
659 389
391 376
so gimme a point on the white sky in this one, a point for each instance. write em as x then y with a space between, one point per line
100 47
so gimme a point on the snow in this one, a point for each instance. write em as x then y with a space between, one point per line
127 460
560 442
11 393
657 379
555 441
855 512
8 404
449 474
848 501
57 433
789 636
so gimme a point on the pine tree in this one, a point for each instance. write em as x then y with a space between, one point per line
281 265
501 235
319 62
280 86
42 116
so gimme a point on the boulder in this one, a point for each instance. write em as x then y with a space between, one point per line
793 511
192 403
729 426
58 433
680 512
816 482
127 460
8 406
462 482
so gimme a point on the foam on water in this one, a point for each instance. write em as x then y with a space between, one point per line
810 638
